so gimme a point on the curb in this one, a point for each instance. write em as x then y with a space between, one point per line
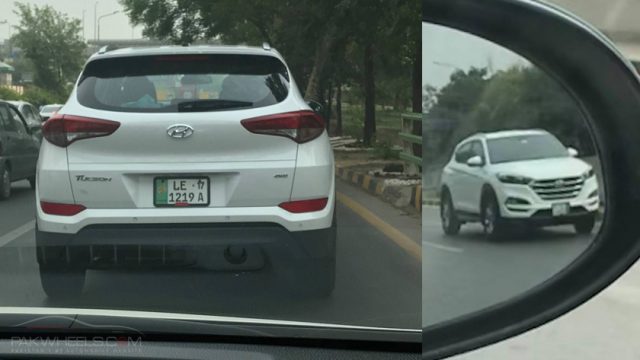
377 187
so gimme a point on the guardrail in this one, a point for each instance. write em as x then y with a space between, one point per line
411 135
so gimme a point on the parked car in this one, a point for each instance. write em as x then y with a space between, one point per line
18 149
525 176
31 115
210 144
49 110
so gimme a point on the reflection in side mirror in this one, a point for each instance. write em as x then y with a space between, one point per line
475 161
572 152
531 203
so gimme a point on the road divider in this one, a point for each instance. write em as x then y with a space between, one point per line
398 195
410 246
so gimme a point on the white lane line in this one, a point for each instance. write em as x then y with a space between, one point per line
16 233
442 247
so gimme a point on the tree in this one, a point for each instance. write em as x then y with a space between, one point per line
429 98
327 44
515 98
53 44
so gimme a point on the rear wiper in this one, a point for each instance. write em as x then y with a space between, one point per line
211 104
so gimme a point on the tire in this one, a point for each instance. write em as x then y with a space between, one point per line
62 268
32 182
448 217
492 222
5 183
585 224
62 283
317 277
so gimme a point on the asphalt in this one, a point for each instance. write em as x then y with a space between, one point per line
377 281
466 273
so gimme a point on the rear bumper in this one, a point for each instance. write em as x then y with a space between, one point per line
98 245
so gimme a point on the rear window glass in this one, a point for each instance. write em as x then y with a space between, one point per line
180 83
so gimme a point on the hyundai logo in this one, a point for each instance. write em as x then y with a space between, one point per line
179 131
559 183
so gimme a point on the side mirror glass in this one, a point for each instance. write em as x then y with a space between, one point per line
316 107
572 152
543 232
475 161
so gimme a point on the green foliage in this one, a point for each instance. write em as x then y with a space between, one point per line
323 41
34 95
385 151
38 96
516 98
52 41
8 94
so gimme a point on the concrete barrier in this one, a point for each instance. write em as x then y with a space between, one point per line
398 195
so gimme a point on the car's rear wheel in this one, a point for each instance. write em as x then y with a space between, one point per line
585 224
448 217
317 277
5 183
62 268
492 222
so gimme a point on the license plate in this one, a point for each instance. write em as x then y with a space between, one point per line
181 192
560 209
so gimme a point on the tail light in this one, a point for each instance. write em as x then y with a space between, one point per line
299 126
61 209
62 130
303 206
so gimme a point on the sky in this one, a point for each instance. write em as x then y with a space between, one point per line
445 50
113 27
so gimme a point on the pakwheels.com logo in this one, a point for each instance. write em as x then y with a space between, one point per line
120 339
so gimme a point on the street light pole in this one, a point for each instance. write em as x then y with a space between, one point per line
95 21
102 17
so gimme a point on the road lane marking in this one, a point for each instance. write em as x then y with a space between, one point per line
442 247
16 233
400 239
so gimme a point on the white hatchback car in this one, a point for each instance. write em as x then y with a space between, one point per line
525 176
181 146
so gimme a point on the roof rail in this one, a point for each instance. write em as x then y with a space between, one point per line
266 46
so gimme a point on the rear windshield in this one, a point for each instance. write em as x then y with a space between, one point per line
181 83
48 109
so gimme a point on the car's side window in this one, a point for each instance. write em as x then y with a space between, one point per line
477 150
30 113
18 122
5 118
463 153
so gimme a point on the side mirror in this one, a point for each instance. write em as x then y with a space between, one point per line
593 78
572 152
475 161
316 107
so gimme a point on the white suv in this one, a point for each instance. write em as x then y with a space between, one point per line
182 146
513 176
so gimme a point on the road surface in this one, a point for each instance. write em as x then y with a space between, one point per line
377 279
467 272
